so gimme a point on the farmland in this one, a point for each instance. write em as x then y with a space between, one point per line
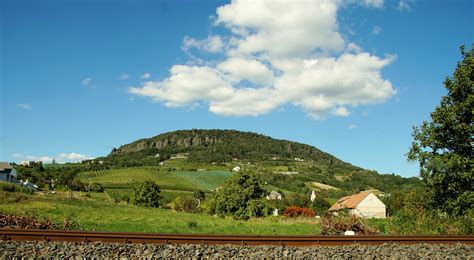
173 180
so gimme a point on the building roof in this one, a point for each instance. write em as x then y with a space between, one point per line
276 193
5 166
349 202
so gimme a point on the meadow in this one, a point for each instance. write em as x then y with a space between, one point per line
96 211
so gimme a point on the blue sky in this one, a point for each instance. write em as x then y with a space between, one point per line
349 77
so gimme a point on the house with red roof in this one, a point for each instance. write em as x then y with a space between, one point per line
364 204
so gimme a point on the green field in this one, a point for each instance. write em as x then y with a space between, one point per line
172 180
95 211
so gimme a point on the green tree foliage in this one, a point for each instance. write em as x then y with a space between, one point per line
320 205
240 196
187 204
146 194
96 187
443 146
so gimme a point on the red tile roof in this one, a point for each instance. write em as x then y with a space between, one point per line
349 202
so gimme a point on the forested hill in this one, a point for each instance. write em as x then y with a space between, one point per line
221 146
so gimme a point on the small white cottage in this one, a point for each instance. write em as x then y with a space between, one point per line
274 195
364 204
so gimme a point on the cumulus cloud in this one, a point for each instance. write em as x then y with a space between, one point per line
124 76
24 106
87 81
146 75
277 53
376 30
60 158
373 3
403 6
213 43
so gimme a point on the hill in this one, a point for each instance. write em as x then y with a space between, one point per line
218 146
285 165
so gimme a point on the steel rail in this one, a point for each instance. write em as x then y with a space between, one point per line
121 237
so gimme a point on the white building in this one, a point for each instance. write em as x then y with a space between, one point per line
364 204
236 169
274 195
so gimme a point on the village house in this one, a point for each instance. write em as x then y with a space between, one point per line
274 195
364 204
7 172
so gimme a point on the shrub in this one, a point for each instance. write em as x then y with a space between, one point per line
320 205
10 187
96 187
295 211
146 194
77 185
258 208
117 196
237 193
184 204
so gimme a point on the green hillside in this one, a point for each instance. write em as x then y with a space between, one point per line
218 146
177 180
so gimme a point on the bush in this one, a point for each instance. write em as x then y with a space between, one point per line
118 196
258 208
11 187
236 196
295 211
96 187
320 205
77 185
186 204
146 194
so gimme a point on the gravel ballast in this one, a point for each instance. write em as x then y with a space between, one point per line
99 250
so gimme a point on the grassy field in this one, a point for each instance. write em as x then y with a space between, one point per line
95 211
171 180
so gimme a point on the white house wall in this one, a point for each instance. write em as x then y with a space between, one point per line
370 207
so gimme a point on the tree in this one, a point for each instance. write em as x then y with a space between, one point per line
443 146
146 194
241 197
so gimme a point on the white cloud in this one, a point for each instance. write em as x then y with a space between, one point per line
72 157
124 76
403 6
341 111
352 126
213 43
373 3
24 106
245 69
278 53
376 30
146 75
87 81
60 158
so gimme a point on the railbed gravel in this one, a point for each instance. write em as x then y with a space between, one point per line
99 250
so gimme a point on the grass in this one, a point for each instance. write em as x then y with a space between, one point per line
172 180
94 212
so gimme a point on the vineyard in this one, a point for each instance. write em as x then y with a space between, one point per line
173 180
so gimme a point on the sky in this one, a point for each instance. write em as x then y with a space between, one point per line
351 78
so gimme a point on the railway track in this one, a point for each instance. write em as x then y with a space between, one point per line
120 237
